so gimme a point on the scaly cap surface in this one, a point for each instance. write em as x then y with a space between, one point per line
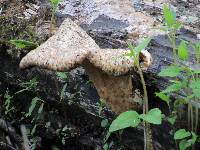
63 51
71 45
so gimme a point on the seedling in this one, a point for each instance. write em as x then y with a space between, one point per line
33 106
171 27
28 86
132 118
54 4
183 78
63 76
186 139
9 107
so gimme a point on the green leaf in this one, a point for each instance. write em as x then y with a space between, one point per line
173 87
34 129
32 107
181 134
172 120
105 146
125 120
195 86
183 145
193 139
23 44
169 15
55 3
142 45
170 71
40 108
131 48
183 51
62 75
62 93
154 116
163 97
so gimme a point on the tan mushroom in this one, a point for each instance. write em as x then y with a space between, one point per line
108 69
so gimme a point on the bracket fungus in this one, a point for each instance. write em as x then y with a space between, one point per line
108 69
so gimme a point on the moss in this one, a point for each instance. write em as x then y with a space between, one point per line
15 28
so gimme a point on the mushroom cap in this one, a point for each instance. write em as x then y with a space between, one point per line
112 61
63 51
71 46
146 58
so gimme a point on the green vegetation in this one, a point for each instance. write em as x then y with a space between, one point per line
34 111
8 105
183 78
54 4
16 31
132 118
63 76
23 44
186 138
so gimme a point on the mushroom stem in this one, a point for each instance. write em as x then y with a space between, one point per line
117 91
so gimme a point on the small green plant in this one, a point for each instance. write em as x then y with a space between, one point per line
54 4
63 76
20 44
132 118
34 110
33 105
171 27
36 106
101 105
28 86
186 139
134 54
9 107
66 132
183 78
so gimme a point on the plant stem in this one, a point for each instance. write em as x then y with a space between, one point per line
192 118
146 103
188 116
196 118
52 20
174 47
196 108
147 130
